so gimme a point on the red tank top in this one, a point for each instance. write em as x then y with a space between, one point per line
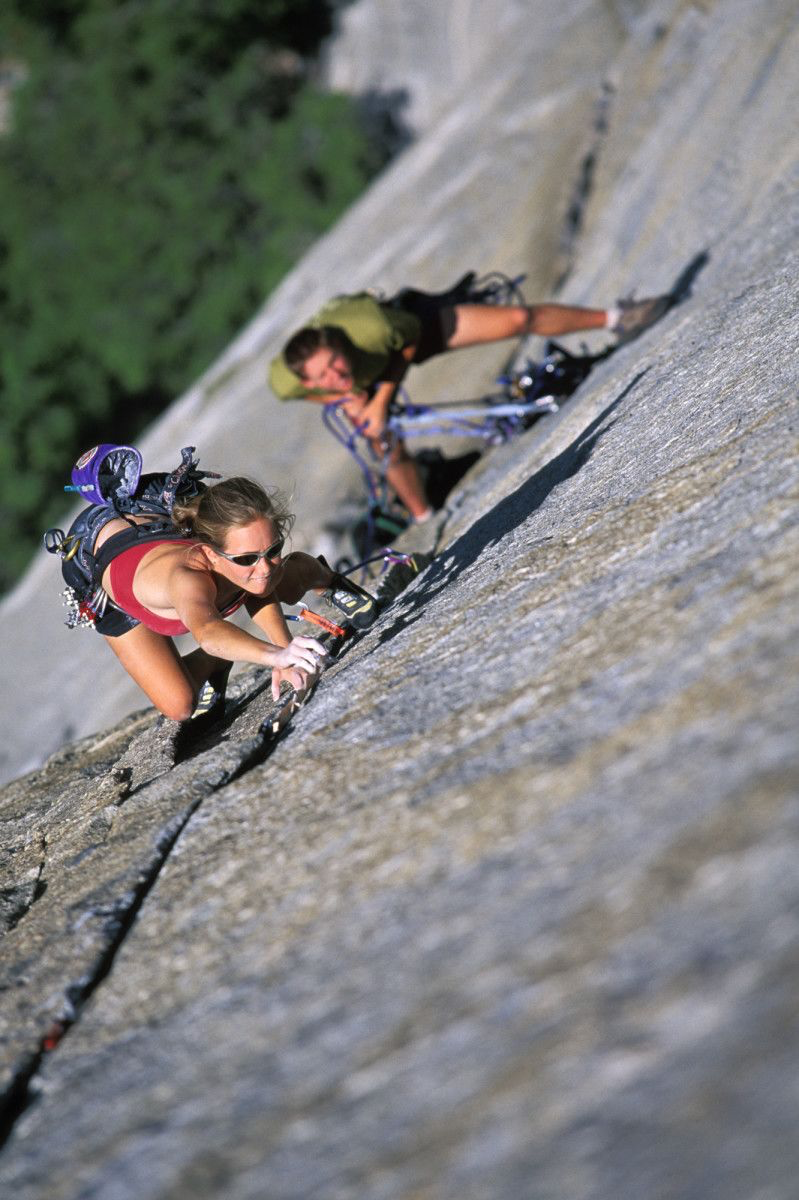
122 570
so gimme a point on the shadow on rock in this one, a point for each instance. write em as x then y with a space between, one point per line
682 287
509 514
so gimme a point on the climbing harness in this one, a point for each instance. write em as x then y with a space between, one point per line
110 476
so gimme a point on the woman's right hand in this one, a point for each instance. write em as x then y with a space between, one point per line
303 652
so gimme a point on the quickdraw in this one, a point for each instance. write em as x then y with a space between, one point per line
83 614
315 618
389 557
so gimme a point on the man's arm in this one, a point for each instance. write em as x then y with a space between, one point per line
370 412
374 414
335 397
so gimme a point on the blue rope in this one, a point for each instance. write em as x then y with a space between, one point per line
519 393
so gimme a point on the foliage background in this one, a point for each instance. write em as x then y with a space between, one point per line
164 165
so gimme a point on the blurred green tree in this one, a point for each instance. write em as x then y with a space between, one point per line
165 165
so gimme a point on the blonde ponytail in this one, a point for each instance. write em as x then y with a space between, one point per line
213 512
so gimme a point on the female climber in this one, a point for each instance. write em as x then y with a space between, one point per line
230 555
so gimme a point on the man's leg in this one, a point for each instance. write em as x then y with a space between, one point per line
473 324
479 323
401 471
403 477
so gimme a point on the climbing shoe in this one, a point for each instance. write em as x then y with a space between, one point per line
358 605
210 702
399 575
634 316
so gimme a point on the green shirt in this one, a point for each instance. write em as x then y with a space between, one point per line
375 330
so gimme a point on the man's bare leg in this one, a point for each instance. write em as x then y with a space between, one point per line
479 323
403 477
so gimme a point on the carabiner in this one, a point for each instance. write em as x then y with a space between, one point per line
53 540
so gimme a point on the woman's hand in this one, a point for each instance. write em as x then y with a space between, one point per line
302 652
293 676
297 664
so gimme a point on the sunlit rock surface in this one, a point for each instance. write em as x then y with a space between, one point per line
509 909
488 187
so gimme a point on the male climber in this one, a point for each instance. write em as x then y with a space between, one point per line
356 350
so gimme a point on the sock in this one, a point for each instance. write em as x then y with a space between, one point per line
612 317
425 516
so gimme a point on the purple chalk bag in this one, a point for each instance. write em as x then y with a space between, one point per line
107 473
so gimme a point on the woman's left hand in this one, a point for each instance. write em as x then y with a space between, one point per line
298 678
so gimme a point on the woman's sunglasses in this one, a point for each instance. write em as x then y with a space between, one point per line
249 560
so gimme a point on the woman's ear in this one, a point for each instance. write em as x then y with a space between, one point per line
210 555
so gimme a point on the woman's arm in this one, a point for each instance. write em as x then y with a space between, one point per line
192 594
269 617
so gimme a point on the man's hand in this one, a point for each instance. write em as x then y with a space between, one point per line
372 417
369 416
354 406
372 422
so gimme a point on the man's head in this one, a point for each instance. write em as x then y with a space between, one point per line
322 358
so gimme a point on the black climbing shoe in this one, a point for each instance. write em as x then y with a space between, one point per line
358 606
210 703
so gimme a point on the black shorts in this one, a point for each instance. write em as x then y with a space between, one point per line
114 621
436 313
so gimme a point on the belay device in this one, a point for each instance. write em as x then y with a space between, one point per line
110 477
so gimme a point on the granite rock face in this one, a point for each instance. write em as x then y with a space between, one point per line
488 188
509 907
